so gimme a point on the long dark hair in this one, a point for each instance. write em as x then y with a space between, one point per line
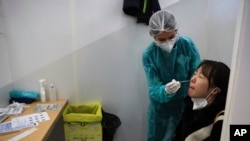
218 75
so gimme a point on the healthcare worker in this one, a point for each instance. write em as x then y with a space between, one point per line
167 61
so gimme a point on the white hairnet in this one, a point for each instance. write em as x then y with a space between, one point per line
162 20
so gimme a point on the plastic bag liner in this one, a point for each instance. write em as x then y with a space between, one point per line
110 123
89 112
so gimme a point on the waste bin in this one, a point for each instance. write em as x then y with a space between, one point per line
82 122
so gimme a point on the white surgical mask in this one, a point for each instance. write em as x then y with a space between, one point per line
200 102
168 46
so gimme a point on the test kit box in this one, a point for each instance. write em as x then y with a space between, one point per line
83 122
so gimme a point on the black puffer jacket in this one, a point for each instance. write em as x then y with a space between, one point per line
141 9
194 120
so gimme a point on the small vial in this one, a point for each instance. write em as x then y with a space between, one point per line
52 93
42 90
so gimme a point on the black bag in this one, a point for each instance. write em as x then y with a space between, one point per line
110 123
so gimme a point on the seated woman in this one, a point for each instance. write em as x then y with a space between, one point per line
205 104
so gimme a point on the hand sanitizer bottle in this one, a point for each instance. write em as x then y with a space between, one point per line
42 90
52 92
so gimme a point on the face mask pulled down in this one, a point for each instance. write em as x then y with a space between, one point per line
167 46
201 102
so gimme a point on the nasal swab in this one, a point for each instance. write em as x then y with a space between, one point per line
184 81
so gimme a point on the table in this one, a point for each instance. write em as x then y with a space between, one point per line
50 130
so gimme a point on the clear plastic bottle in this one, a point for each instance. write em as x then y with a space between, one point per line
42 90
52 93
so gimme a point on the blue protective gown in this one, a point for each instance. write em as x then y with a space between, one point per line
165 110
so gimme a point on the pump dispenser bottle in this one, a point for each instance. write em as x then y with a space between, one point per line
42 90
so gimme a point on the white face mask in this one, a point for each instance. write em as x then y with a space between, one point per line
200 102
168 46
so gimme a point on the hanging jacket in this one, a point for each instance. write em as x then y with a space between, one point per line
141 9
131 7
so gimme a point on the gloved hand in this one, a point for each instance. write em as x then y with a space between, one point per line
173 86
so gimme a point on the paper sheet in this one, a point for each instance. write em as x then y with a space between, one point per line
6 127
45 107
29 119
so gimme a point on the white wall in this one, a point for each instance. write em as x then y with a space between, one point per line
44 26
5 75
92 51
191 16
237 108
211 24
5 72
221 23
243 68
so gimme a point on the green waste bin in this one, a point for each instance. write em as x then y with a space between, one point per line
82 122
